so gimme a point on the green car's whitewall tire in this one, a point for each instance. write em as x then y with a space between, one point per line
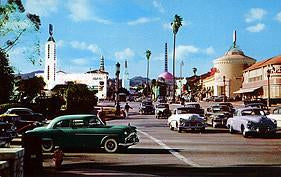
110 145
47 145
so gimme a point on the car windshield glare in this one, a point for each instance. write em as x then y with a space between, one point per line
253 112
185 110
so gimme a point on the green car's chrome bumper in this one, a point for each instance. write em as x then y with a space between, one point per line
131 139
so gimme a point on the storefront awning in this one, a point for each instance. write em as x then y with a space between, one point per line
247 90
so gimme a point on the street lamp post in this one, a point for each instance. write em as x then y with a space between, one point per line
117 113
224 92
268 87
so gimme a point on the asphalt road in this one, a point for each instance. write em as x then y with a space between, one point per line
162 152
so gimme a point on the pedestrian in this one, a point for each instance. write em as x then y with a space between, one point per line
127 107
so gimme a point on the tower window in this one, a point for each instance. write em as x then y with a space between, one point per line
55 53
54 71
48 50
48 76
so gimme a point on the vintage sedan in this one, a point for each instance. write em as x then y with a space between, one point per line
84 131
276 115
147 107
183 118
162 111
217 115
250 121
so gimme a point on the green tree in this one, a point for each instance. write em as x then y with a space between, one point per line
31 87
14 23
176 24
6 78
80 99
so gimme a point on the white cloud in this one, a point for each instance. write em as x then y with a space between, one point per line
142 20
158 6
278 17
256 28
41 7
84 46
210 50
60 43
125 54
79 61
255 14
80 11
167 26
184 50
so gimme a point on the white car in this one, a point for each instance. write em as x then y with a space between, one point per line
184 118
276 115
251 121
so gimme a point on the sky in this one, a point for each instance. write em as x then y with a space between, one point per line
124 29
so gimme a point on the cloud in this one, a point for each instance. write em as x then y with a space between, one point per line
125 54
79 61
84 46
60 43
158 6
257 28
210 50
184 50
41 7
142 20
278 17
255 14
80 11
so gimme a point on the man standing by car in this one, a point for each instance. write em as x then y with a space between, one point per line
127 107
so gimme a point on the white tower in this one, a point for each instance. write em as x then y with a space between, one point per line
126 80
50 60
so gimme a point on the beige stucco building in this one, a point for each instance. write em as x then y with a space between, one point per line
228 71
255 82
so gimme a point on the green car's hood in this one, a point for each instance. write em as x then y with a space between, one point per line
121 127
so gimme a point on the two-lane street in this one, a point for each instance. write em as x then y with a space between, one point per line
162 149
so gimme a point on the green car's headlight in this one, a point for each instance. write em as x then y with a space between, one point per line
125 133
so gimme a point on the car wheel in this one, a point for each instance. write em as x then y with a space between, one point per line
214 125
110 145
171 127
179 130
47 145
231 130
244 133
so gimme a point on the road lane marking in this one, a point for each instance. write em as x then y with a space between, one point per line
171 150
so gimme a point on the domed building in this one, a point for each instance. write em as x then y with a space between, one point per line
229 70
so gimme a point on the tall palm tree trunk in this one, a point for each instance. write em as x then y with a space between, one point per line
147 74
174 68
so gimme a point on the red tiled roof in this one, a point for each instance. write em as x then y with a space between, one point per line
270 61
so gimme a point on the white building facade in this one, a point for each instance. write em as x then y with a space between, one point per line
96 79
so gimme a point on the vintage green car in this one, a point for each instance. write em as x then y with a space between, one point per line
84 131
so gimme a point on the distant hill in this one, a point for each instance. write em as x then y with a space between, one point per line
138 80
30 75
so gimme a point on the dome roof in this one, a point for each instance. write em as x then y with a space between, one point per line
166 76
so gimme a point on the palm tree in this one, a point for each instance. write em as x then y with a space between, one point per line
194 71
176 24
148 54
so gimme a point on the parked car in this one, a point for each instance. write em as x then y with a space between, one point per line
26 114
147 107
84 131
23 119
217 115
197 108
162 111
7 133
107 112
276 115
218 98
183 119
250 121
228 104
210 98
259 105
161 99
